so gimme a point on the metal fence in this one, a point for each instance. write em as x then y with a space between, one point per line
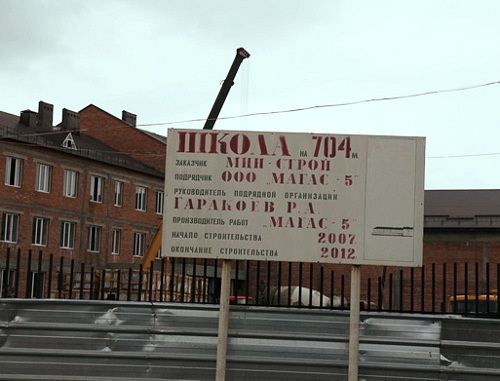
116 340
461 288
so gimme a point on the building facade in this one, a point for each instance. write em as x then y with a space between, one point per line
90 189
68 193
461 255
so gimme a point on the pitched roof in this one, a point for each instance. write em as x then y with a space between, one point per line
87 147
158 137
467 208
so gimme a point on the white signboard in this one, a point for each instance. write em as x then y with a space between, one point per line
294 197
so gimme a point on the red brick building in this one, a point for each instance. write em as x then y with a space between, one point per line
89 189
461 254
143 146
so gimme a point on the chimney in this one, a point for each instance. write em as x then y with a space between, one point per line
45 116
70 120
129 118
28 118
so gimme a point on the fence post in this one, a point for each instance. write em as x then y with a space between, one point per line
82 279
49 280
28 275
39 277
6 278
18 273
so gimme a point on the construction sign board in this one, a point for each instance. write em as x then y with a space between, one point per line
352 199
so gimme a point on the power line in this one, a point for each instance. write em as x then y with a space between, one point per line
383 99
330 105
459 156
399 97
163 154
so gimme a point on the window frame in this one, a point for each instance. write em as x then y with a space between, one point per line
70 186
139 243
141 198
159 202
10 227
40 232
97 189
43 177
7 283
36 284
118 196
94 238
13 171
68 234
69 142
116 241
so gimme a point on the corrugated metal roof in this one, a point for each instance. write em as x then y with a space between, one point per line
467 202
470 209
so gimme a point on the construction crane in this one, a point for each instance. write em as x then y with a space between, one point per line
241 54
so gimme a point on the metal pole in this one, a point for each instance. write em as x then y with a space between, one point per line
220 374
354 323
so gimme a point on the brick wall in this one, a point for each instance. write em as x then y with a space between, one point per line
30 203
117 134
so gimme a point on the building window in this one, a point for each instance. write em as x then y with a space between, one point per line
7 284
96 188
94 238
140 198
35 286
69 142
139 244
13 171
70 183
43 177
117 240
68 230
159 202
40 231
119 193
10 227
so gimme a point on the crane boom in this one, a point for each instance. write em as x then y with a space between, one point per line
241 54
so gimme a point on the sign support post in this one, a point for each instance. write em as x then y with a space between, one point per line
354 323
220 373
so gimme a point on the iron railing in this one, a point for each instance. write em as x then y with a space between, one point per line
460 288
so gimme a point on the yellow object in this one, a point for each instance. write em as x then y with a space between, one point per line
153 249
483 303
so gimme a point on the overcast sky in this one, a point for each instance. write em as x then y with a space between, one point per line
165 60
